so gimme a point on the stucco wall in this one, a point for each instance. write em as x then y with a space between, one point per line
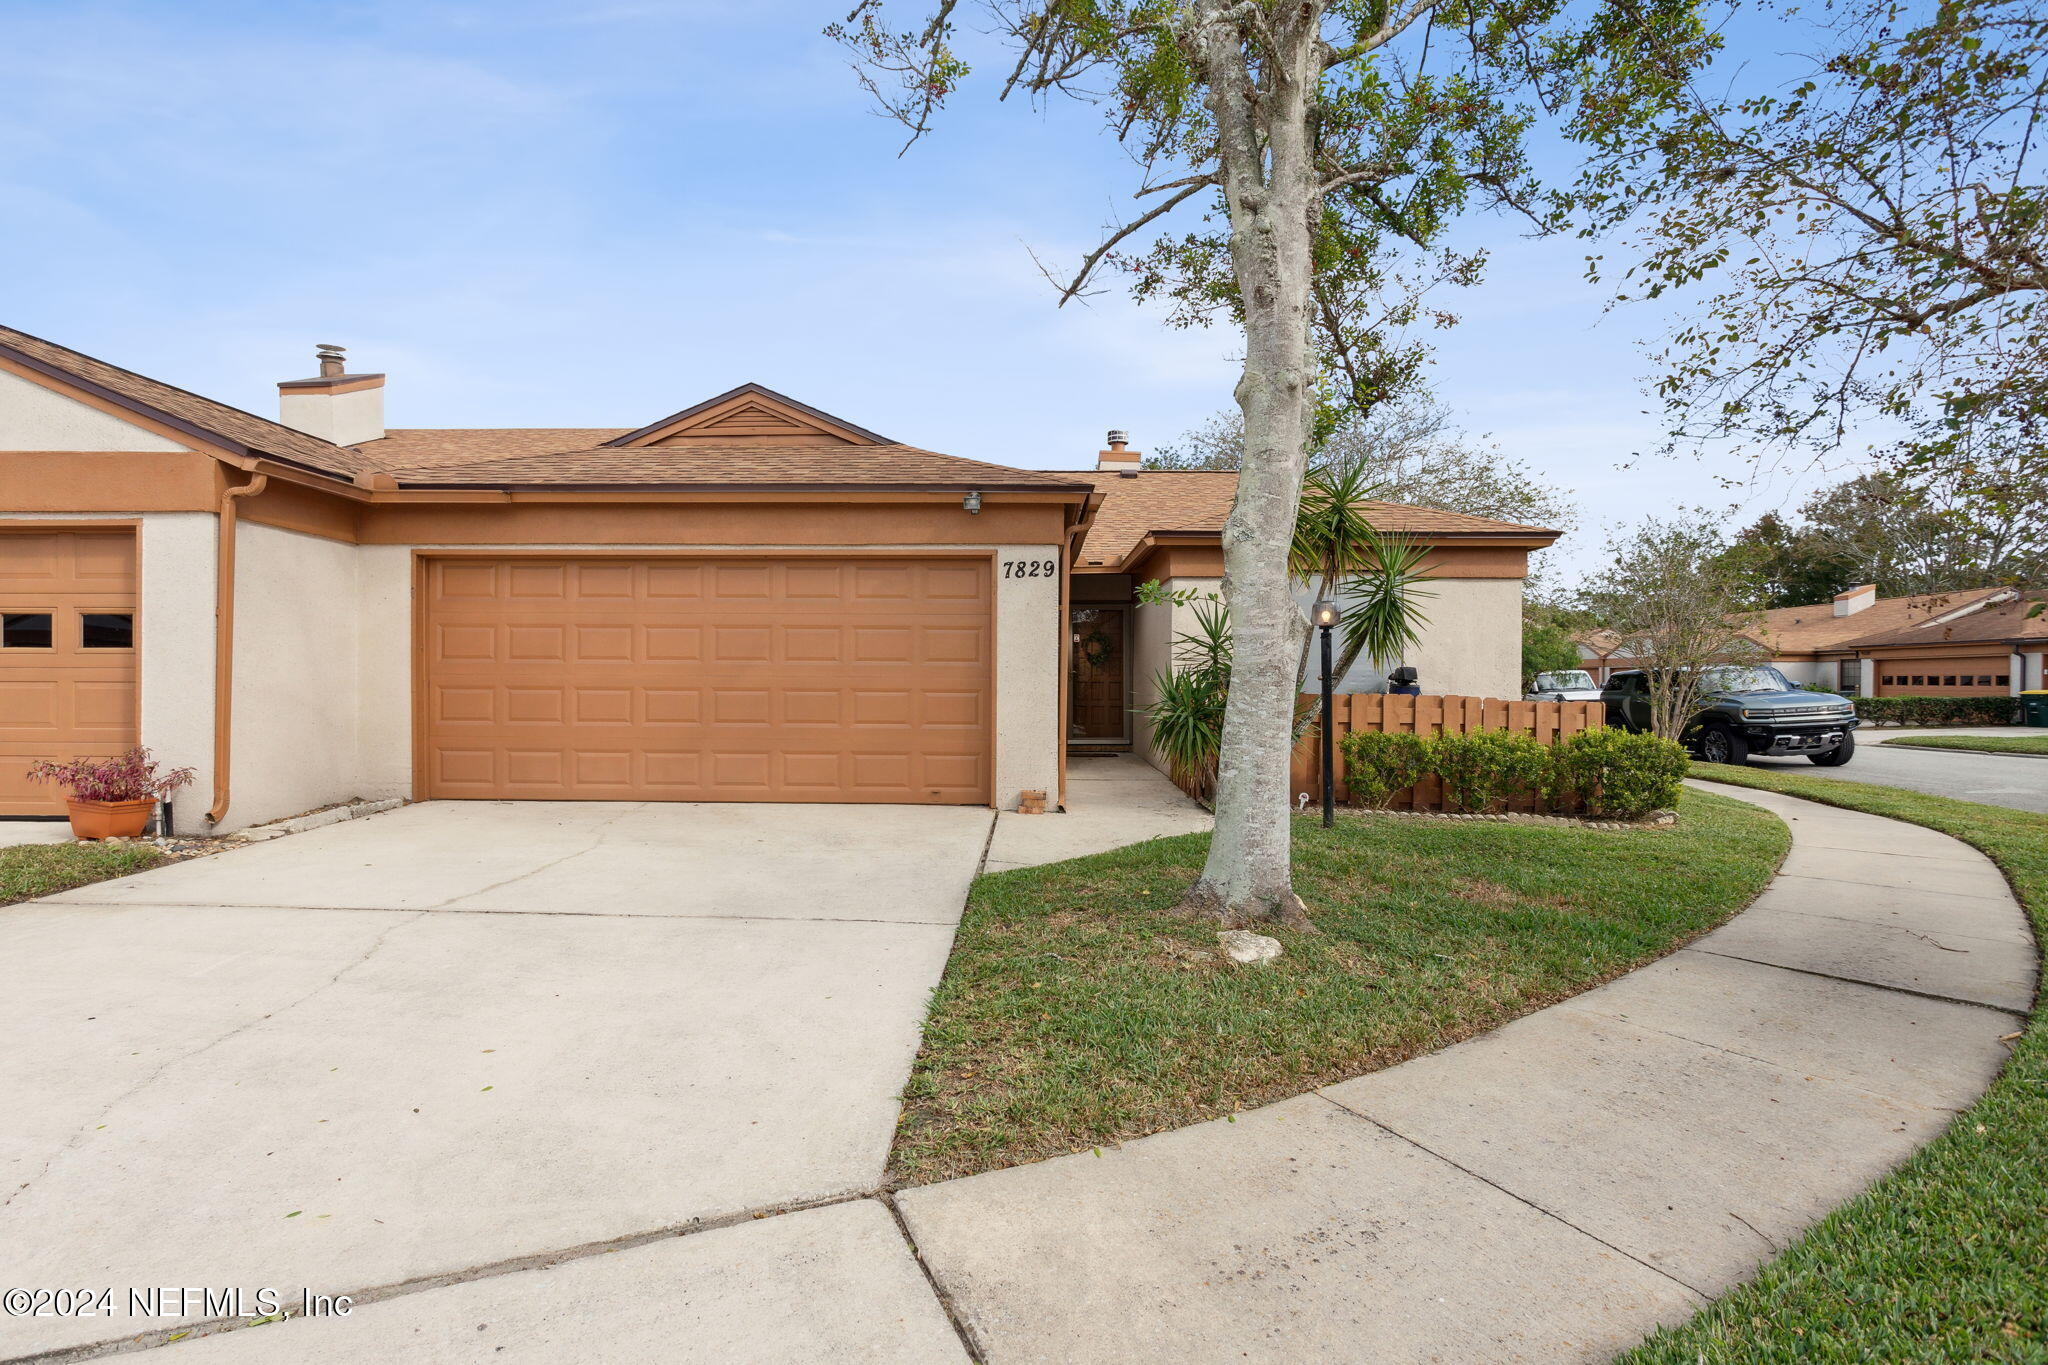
1805 671
1472 644
35 418
384 672
296 667
176 634
1153 631
1029 727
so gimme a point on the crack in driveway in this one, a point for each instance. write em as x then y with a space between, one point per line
98 1120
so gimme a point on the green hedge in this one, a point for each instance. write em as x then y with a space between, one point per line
1938 710
1610 773
1613 772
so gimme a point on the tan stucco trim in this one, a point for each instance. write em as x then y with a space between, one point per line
109 481
1187 554
821 523
293 506
224 639
345 383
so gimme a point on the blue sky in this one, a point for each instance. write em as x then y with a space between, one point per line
591 215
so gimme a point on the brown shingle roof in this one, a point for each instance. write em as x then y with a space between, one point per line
1799 630
737 465
412 449
1136 505
1997 621
232 426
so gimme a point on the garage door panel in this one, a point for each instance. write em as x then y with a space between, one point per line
59 698
709 680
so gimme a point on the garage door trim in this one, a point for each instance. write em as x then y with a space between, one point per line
423 558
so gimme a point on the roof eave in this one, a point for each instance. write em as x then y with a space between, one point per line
206 436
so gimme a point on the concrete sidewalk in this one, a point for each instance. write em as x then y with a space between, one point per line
1112 801
1551 1191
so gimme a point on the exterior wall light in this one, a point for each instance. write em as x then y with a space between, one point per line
972 502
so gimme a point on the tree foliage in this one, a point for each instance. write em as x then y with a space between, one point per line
1546 648
1871 232
1415 452
1909 534
1669 592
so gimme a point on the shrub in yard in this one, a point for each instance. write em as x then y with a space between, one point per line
1937 710
1615 773
1483 770
1378 764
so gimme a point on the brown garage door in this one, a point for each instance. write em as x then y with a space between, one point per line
67 655
707 679
1987 675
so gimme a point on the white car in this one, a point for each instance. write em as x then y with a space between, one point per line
1570 684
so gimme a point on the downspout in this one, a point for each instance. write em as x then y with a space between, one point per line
224 638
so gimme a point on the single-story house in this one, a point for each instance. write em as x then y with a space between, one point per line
746 599
1975 643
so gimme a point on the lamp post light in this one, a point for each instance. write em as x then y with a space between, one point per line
1326 615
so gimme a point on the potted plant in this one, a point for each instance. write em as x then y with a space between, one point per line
111 797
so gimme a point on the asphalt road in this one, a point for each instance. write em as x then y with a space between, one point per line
2014 780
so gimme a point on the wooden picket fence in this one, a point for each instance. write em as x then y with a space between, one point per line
1548 721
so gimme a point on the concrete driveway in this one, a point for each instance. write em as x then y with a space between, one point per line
459 1035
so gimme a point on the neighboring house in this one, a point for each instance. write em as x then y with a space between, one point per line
1976 643
1982 642
747 599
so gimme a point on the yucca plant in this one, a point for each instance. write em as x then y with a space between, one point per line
1344 558
1336 551
1187 715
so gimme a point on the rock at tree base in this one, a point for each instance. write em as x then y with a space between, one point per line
1246 948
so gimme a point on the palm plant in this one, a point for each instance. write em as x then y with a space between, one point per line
1187 715
1338 552
1374 576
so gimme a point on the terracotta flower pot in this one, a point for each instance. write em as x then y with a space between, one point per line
110 819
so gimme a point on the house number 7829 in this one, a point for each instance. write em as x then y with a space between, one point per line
1031 568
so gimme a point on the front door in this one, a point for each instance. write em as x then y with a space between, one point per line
1100 710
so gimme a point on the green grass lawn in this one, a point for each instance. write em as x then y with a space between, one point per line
31 870
1947 1258
1077 1010
1989 744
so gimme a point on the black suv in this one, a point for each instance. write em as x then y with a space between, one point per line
1746 709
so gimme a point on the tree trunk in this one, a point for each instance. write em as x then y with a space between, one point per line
1272 199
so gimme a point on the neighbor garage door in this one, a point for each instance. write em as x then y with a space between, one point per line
673 679
67 655
1924 676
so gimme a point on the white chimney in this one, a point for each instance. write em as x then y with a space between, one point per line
346 409
1855 599
1116 457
